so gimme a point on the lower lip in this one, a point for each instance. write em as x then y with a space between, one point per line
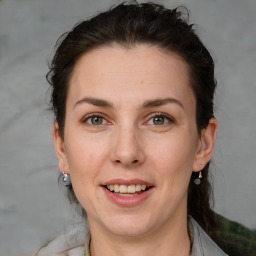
128 201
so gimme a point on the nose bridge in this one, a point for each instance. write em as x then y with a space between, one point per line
127 149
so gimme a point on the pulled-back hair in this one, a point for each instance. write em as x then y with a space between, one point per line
128 25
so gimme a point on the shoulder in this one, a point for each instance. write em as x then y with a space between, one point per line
203 244
236 239
231 238
68 244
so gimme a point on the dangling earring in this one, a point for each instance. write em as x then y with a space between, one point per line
197 181
66 179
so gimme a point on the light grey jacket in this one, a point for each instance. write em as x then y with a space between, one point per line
74 243
203 244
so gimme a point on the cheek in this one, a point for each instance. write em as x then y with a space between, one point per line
85 156
173 159
86 159
173 151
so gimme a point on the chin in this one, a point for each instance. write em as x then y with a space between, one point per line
129 225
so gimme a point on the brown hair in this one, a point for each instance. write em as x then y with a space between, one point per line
152 24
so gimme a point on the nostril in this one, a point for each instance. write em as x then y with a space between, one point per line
132 162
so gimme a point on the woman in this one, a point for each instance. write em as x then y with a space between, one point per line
132 93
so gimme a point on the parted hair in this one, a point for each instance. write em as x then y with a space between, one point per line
130 24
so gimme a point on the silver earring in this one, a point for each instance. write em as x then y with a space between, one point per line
66 179
197 181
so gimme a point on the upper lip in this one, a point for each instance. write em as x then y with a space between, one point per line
127 182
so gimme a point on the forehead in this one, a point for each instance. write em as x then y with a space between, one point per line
117 73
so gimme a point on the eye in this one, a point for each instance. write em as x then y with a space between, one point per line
160 119
95 120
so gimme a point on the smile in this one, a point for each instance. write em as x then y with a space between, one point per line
127 191
128 195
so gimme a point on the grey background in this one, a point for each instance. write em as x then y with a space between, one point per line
32 206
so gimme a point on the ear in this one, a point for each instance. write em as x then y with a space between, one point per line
60 149
206 145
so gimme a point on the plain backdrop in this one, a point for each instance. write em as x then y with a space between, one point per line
33 207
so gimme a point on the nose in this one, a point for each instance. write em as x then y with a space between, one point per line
127 149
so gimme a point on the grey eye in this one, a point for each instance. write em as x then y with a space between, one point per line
159 120
95 120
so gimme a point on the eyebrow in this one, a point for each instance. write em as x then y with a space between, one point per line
95 102
161 102
147 104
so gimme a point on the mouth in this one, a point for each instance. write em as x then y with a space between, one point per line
127 190
128 193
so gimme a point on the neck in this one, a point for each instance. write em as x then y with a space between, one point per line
170 240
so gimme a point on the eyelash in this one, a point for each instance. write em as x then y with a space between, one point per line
90 116
167 119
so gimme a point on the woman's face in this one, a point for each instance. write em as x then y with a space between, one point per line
130 126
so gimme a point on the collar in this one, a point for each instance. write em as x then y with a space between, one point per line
203 245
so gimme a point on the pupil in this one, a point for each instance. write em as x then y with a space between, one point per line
158 120
97 120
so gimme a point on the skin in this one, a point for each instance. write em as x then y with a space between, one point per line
131 143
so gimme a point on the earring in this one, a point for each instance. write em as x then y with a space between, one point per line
66 179
197 181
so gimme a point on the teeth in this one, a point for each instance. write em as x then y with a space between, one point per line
116 188
126 195
123 189
131 189
138 187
